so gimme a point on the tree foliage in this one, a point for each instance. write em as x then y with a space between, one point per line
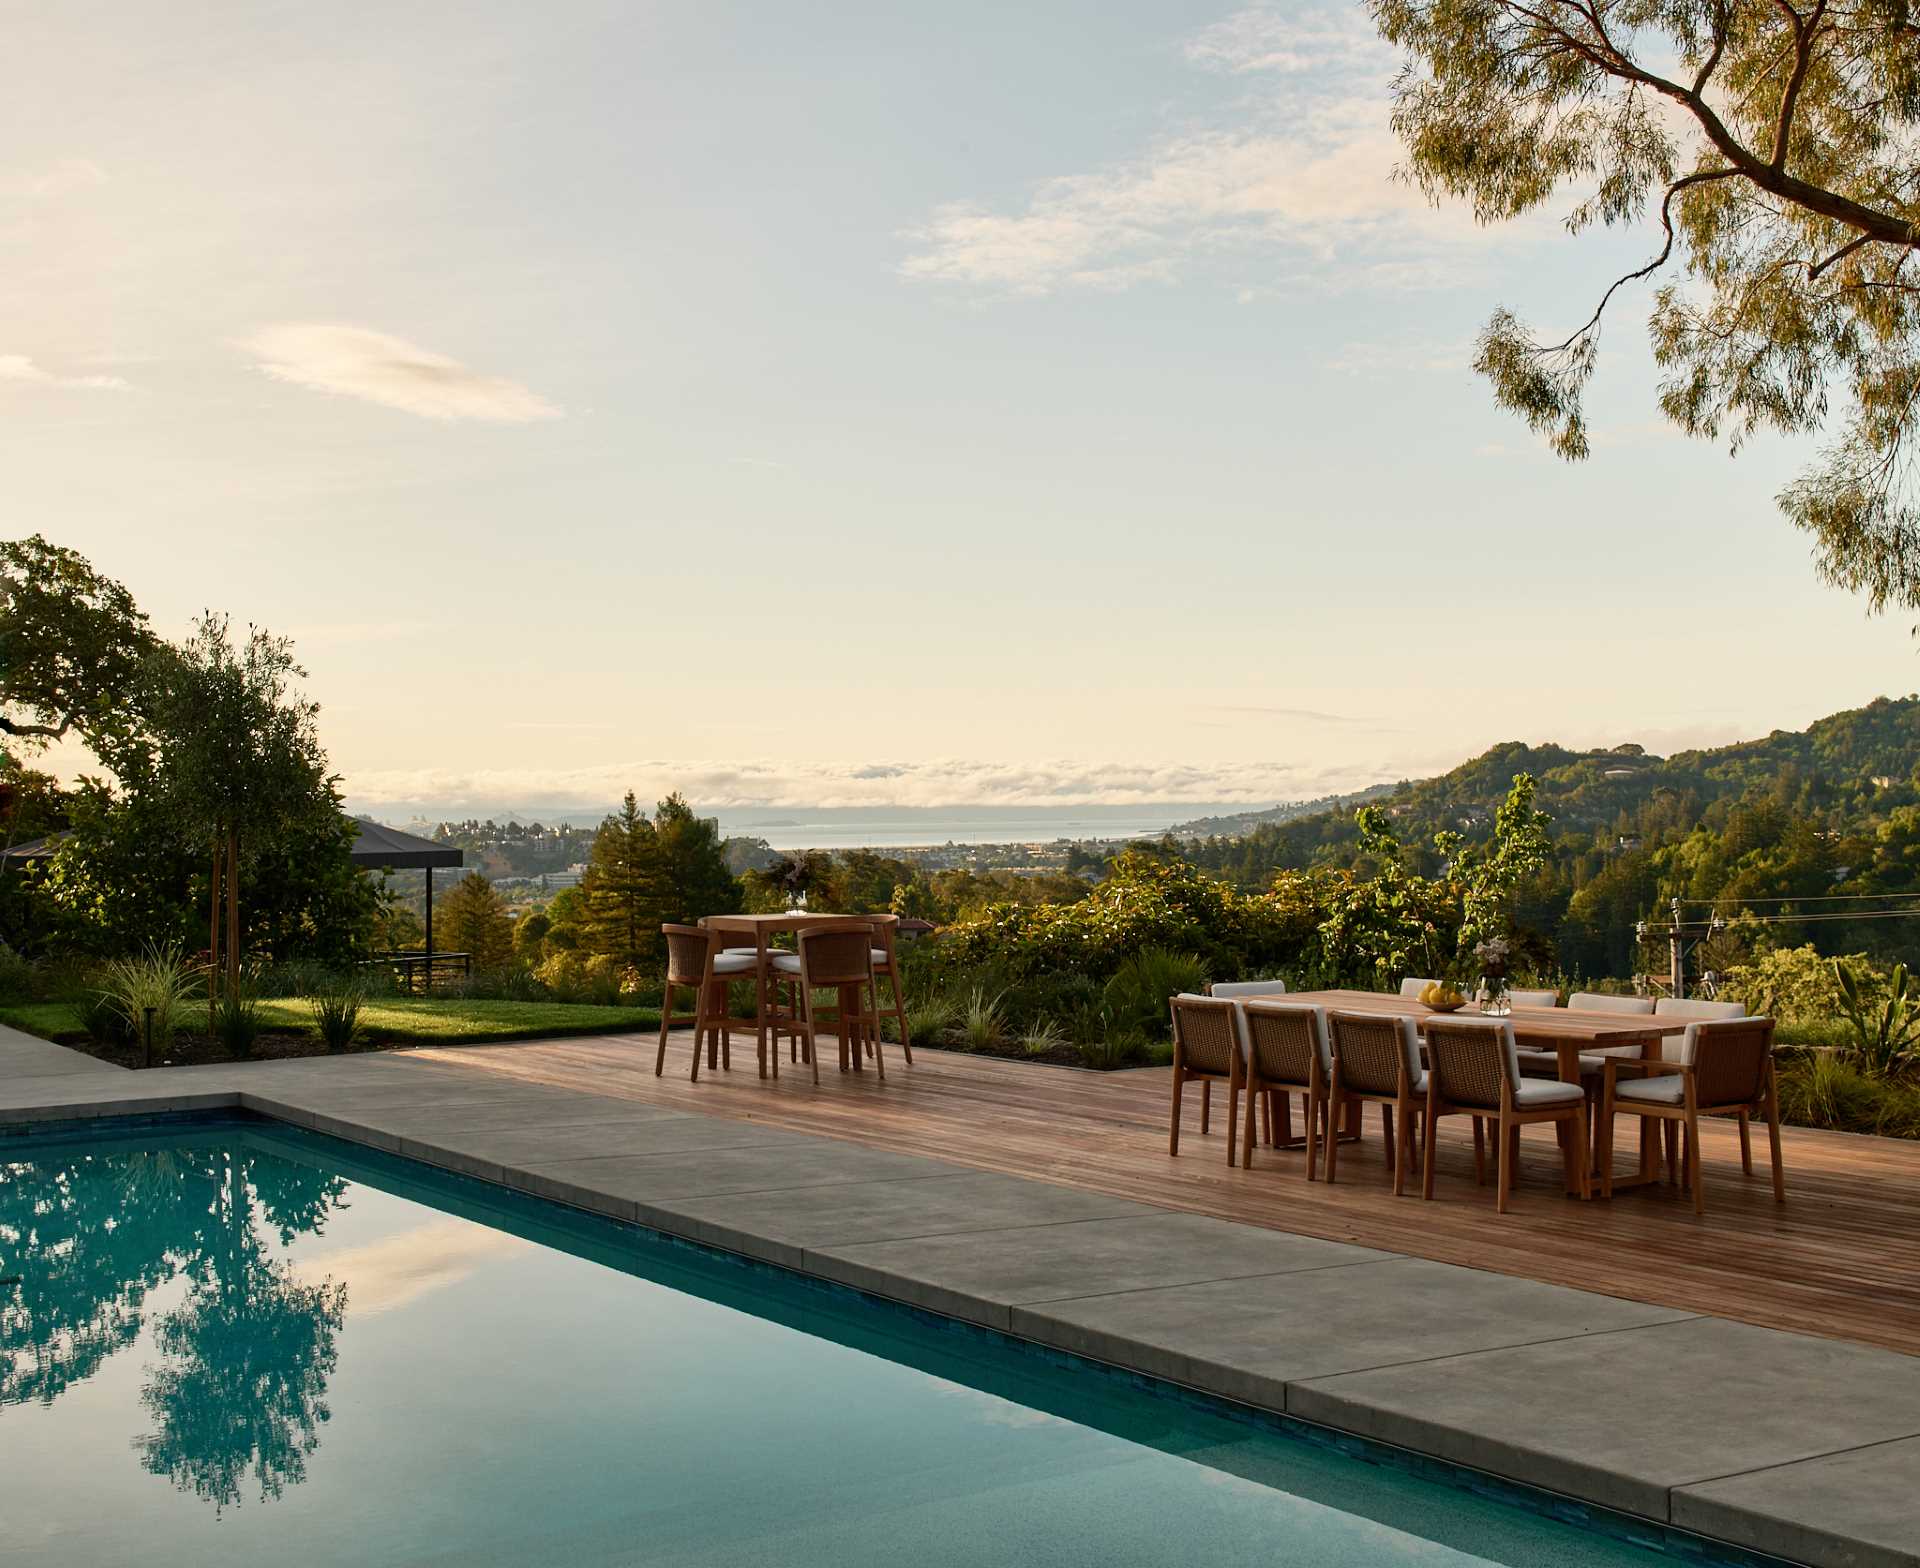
473 919
74 650
1774 142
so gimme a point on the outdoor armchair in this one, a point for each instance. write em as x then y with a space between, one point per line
1725 1069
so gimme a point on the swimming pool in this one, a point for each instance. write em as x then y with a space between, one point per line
235 1343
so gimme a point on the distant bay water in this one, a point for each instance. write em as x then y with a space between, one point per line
899 826
866 827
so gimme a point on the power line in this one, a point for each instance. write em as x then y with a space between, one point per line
1791 898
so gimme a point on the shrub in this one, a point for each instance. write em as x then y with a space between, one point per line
160 978
1136 997
576 977
233 1017
981 1024
293 977
930 1014
1820 1089
101 1016
1044 1037
1884 1028
18 977
335 1003
1146 902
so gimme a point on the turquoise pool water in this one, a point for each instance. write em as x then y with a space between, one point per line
232 1344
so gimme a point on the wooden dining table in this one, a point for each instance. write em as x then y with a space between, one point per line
1565 1031
761 928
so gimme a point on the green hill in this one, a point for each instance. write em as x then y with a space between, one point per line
1764 825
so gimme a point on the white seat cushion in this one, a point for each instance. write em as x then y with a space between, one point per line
879 955
1533 1093
735 963
1600 1002
1239 990
787 963
1548 1062
1667 1089
1688 1007
1534 998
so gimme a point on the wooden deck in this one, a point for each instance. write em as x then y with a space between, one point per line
1841 1258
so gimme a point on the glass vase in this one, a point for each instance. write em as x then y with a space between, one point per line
1492 996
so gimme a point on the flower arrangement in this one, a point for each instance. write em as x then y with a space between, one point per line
1492 994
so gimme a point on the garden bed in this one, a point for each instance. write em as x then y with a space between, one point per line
287 1027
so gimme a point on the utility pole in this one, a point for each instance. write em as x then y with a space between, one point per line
1677 953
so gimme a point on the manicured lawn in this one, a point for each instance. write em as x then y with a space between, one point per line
411 1020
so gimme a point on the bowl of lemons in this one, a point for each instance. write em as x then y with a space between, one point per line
1443 996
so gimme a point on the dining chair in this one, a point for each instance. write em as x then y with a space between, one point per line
1533 998
886 966
1606 1002
1725 1068
696 962
1376 1059
835 956
1237 992
1413 985
1474 1070
1286 1053
1206 1048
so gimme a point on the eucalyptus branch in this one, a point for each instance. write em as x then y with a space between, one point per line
1659 261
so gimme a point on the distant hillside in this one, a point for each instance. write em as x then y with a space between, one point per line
1832 809
1287 811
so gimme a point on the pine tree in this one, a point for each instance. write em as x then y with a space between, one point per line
623 888
694 879
473 919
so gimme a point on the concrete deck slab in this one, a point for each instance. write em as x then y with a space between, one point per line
1624 1418
1250 1338
981 1275
741 1157
1861 1507
799 1221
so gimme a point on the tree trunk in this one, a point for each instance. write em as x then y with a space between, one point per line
233 912
213 923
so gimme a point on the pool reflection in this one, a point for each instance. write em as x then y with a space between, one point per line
186 1244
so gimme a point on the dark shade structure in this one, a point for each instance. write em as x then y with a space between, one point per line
378 847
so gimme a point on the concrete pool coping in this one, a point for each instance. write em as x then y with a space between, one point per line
1803 1447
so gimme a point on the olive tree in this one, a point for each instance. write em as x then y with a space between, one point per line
239 759
1775 143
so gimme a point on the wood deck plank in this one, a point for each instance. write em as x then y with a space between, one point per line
1841 1258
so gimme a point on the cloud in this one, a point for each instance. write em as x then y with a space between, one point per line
395 1271
1400 356
61 178
359 362
1264 39
945 783
20 369
1303 167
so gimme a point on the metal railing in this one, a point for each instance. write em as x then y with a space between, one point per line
417 971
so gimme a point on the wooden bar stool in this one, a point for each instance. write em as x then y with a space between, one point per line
836 956
696 962
886 966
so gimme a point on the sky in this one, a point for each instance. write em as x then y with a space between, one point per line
854 404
